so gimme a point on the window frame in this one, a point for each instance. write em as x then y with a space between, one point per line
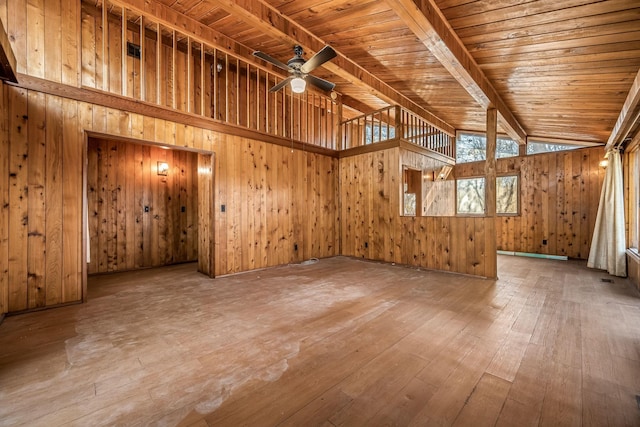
633 197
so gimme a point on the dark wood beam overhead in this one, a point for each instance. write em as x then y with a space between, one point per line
629 115
273 23
428 23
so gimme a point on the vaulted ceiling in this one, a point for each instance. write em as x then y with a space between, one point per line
557 70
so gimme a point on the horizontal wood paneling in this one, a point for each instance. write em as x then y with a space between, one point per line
372 227
121 182
559 195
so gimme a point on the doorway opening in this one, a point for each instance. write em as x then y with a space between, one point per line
146 206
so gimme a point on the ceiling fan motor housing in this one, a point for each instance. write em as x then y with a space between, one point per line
297 61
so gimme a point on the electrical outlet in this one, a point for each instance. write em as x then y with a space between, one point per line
544 241
147 209
366 244
295 246
223 208
183 209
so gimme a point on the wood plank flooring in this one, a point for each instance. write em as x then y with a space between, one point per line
341 342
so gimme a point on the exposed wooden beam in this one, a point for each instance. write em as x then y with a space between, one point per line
8 63
431 27
629 115
271 22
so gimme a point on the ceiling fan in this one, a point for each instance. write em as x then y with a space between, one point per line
300 69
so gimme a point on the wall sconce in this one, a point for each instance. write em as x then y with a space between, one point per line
604 163
163 168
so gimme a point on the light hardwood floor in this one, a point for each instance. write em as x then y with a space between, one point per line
340 342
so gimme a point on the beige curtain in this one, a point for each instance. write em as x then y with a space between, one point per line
608 243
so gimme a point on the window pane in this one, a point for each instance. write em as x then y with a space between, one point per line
410 204
506 147
379 132
544 147
470 148
507 194
470 196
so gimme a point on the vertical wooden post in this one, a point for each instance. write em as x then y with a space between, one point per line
173 69
125 76
143 65
490 252
202 90
398 123
105 39
189 80
158 63
522 148
490 163
341 128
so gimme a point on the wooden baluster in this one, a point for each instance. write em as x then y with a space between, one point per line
158 62
248 96
226 87
143 68
189 79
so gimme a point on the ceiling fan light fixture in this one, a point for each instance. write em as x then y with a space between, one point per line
298 85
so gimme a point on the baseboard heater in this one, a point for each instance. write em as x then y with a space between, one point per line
531 255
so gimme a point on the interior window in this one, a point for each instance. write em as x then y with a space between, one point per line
507 192
470 196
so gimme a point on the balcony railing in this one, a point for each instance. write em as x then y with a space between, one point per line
392 123
132 53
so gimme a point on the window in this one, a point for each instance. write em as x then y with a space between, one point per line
535 147
507 195
412 185
473 147
377 132
506 147
634 198
470 196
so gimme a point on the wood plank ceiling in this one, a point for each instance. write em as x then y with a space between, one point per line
562 68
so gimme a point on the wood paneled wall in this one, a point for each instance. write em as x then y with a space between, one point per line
274 199
4 200
45 37
44 262
559 195
122 180
372 227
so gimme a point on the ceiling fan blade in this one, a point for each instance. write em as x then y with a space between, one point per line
281 84
273 61
320 83
326 54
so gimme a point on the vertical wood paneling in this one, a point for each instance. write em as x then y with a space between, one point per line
129 237
206 206
280 199
373 228
36 191
53 40
4 200
559 194
18 199
54 199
